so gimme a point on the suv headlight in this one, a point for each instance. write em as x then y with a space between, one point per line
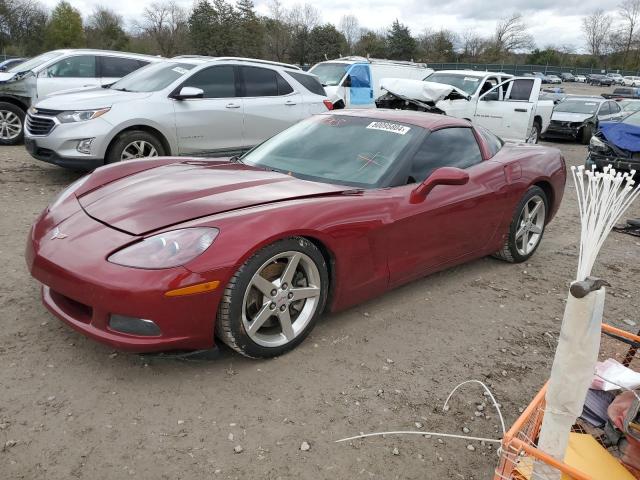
166 250
81 115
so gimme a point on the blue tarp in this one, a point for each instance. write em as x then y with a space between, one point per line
622 135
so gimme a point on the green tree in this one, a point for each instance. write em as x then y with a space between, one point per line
400 44
250 32
104 30
326 43
201 22
371 44
213 28
64 29
548 56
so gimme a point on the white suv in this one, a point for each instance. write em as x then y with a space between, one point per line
55 71
183 106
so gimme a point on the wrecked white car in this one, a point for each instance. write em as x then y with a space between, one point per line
506 105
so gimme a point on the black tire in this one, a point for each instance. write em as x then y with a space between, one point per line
114 153
509 251
229 325
339 105
15 110
538 130
586 133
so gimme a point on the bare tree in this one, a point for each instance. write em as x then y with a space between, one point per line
166 23
596 28
511 34
278 35
350 28
472 45
629 10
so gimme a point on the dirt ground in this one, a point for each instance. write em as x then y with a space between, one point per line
71 408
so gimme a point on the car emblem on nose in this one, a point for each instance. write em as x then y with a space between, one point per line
57 234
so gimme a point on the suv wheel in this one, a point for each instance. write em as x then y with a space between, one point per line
134 144
11 124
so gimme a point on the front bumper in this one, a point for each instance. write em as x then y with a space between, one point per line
559 130
59 146
84 290
620 164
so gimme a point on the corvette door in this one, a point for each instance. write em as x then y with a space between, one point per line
508 109
454 222
211 125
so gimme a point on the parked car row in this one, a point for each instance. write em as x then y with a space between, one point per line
57 71
184 106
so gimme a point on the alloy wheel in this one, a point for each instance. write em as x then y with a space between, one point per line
281 299
138 149
530 225
533 134
10 125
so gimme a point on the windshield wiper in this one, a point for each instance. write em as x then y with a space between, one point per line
121 89
236 159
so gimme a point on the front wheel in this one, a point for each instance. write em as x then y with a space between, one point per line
274 299
11 124
134 144
527 227
587 133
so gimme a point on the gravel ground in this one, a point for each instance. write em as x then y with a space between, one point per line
71 408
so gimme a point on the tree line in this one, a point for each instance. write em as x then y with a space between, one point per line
298 35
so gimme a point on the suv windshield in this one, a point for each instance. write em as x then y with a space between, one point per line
337 149
34 62
153 77
465 83
577 106
330 74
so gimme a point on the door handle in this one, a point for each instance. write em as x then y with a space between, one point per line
520 110
290 103
232 105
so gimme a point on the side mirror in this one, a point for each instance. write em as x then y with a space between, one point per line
347 81
186 93
440 176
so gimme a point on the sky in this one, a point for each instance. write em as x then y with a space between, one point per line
550 21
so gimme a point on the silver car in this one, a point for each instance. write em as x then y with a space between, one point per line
183 106
24 84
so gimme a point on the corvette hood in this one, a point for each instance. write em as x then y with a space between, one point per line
89 99
570 117
179 192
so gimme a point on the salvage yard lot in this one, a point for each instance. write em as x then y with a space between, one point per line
71 408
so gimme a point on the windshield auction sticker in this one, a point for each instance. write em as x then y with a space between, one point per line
389 127
180 70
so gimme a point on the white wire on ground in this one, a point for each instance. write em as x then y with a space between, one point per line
438 434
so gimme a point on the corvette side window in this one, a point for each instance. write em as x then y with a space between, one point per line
449 147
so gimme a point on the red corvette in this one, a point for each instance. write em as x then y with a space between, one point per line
168 253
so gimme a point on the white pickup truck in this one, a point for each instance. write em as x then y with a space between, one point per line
506 105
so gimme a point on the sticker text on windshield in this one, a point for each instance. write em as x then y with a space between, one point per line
389 127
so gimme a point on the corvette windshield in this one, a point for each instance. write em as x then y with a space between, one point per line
337 149
576 106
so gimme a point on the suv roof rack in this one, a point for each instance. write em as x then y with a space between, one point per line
357 58
257 60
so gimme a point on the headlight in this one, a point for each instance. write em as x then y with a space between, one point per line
166 250
81 115
67 192
597 144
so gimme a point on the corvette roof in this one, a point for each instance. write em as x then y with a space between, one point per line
430 121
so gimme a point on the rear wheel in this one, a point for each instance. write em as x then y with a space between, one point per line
11 124
274 300
134 144
527 227
534 134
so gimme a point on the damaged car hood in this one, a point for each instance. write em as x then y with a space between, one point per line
570 117
179 192
623 135
420 90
